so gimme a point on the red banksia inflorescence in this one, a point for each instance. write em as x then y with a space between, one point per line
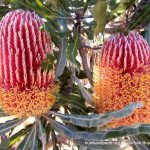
122 76
24 89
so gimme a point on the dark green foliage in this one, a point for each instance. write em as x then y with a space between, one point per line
3 10
141 15
119 8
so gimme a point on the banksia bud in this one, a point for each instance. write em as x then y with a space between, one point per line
24 89
122 76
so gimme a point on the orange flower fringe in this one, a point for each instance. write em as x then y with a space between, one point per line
23 104
113 91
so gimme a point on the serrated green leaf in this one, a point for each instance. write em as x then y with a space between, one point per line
99 135
8 125
95 120
100 16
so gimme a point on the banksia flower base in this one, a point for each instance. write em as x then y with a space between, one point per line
27 103
24 89
122 76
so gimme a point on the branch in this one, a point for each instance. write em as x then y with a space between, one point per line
85 64
92 48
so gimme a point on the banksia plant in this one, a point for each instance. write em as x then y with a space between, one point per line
25 90
122 76
43 104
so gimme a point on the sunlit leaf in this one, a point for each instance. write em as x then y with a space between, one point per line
100 16
118 8
39 2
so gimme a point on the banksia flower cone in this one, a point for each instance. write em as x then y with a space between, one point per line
24 89
122 76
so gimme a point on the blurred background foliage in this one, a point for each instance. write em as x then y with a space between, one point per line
78 28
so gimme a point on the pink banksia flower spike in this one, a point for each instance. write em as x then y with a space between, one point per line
122 76
24 89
